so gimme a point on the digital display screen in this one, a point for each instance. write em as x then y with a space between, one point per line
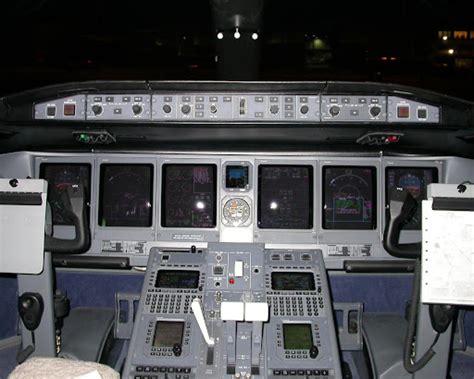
285 197
415 180
177 279
168 333
293 281
349 197
237 177
126 195
189 196
297 336
59 177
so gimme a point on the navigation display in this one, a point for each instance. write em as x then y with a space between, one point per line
189 196
297 336
415 180
293 281
168 333
177 279
349 198
126 197
285 197
237 177
59 177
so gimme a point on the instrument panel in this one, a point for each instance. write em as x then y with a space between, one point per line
334 204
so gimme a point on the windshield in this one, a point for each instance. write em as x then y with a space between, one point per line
424 43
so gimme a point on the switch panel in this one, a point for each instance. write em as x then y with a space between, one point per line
353 108
403 110
69 108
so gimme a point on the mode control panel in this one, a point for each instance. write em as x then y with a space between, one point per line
353 108
236 107
118 107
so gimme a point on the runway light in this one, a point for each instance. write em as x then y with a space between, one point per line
445 38
237 33
220 35
451 51
255 36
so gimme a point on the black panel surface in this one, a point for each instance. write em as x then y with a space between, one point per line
126 195
285 197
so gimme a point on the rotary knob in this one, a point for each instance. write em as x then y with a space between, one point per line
334 110
186 109
304 109
96 109
213 108
274 109
167 108
137 109
375 111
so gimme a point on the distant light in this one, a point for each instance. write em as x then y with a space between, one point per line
200 205
220 35
273 205
384 58
451 51
237 33
255 36
393 58
445 38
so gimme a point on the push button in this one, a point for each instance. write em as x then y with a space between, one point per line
403 111
51 111
69 109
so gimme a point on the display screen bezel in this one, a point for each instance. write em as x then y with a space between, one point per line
310 206
163 221
350 226
102 168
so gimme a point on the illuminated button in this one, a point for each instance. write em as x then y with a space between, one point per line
238 269
69 109
109 99
403 111
51 111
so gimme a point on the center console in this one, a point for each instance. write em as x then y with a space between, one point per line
234 311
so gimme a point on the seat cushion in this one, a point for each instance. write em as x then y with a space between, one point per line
59 368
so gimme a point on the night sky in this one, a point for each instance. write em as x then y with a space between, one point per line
53 41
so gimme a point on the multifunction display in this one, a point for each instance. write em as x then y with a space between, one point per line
349 197
293 281
285 197
415 180
59 177
168 333
177 279
189 196
297 336
126 197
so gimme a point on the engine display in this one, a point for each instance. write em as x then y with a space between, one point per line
59 177
189 196
349 197
415 180
285 197
126 195
293 281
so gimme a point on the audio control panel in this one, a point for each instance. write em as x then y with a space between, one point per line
238 107
234 311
